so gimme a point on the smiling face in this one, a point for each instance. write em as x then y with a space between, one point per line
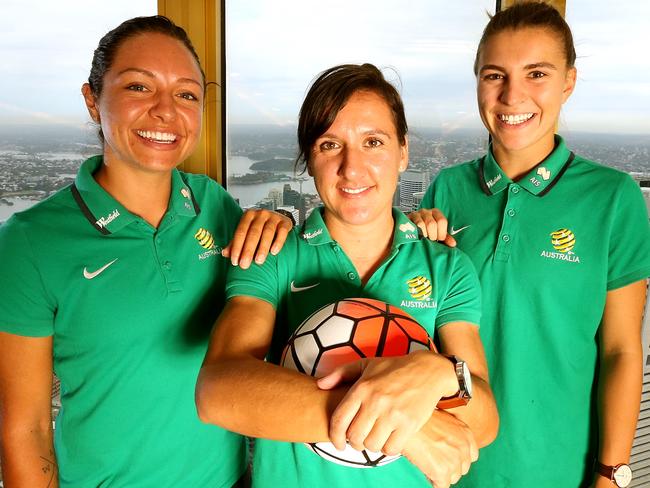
523 80
151 104
356 162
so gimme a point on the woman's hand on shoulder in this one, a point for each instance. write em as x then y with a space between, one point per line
258 233
433 224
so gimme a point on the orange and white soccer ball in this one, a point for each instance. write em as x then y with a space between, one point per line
346 331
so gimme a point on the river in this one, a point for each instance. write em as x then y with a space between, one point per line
237 165
251 194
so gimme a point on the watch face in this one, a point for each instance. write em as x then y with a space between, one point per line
468 379
623 475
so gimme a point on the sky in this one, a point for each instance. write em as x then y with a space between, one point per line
274 49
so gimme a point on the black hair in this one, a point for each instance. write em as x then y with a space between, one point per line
330 92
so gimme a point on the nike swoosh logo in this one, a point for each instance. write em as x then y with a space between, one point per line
295 288
90 275
453 231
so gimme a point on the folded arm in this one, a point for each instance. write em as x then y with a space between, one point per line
239 391
480 414
444 448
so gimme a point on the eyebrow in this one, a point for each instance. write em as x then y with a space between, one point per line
540 64
365 133
151 75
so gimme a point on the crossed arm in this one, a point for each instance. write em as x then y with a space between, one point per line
241 392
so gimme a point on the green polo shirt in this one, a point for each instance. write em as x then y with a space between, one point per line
311 271
547 248
130 309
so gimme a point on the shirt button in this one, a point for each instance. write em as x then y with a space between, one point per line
505 237
511 212
351 275
515 189
167 265
336 248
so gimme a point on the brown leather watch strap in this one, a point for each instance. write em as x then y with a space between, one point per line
604 470
463 396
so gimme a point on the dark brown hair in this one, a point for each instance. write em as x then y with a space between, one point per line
104 55
110 43
330 92
533 14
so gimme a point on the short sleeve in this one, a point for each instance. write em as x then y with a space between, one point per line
261 281
25 306
629 247
462 302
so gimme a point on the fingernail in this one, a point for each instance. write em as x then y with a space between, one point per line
259 259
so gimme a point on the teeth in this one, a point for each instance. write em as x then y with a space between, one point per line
515 119
354 191
164 137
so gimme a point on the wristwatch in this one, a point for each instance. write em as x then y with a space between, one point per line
620 475
464 385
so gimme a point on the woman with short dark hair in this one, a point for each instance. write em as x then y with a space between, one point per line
352 137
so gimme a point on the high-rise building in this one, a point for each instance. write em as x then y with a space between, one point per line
417 199
275 195
290 211
266 203
290 197
410 182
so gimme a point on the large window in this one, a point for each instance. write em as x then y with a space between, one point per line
274 50
608 117
46 48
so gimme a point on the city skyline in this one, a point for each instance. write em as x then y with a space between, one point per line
35 164
428 50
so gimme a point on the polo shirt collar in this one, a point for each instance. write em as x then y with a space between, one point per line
539 179
315 232
181 199
105 213
405 231
108 215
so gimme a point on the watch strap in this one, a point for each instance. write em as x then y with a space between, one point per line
609 472
463 396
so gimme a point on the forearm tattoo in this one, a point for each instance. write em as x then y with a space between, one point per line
49 467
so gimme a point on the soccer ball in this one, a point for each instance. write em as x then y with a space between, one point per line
346 331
